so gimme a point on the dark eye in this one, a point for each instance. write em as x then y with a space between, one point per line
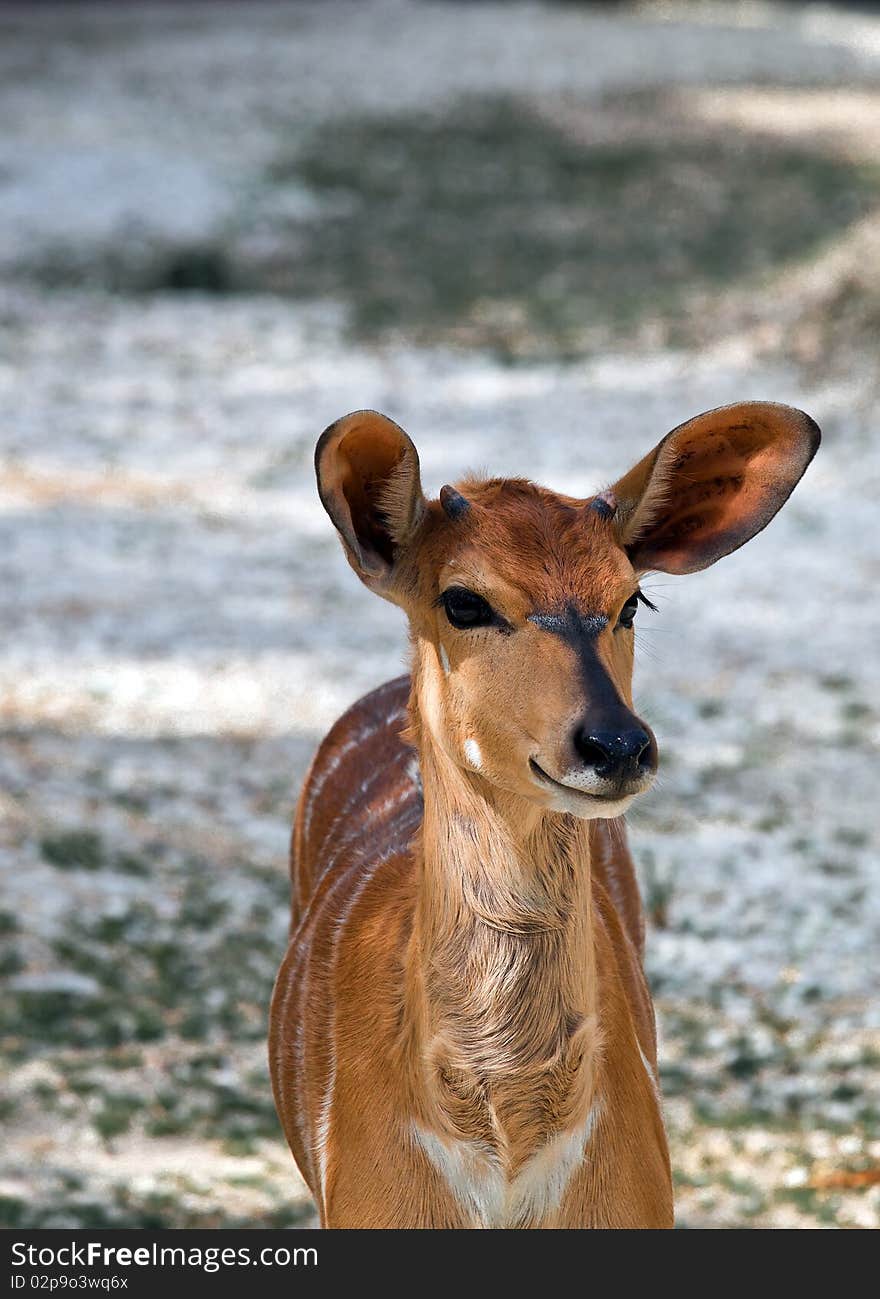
628 612
465 608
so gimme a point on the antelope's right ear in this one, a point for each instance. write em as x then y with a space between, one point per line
369 484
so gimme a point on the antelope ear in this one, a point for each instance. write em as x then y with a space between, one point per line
711 484
368 481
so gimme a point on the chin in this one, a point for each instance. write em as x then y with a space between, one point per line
588 807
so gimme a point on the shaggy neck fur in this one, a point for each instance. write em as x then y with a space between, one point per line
501 979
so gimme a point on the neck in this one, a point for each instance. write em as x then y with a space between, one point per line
502 979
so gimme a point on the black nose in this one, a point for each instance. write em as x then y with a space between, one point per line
614 752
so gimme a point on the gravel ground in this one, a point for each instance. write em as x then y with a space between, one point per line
181 627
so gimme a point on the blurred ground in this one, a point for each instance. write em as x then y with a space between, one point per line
539 237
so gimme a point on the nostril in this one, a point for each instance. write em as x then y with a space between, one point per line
590 750
645 757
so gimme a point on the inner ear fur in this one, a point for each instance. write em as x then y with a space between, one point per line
369 484
712 484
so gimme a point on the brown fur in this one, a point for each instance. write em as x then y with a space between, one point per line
461 1032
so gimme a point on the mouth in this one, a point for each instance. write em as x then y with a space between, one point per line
605 796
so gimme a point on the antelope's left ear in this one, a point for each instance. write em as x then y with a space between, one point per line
711 484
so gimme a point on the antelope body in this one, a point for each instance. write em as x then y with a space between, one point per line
461 1034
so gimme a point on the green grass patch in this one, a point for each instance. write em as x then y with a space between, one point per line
73 850
76 849
116 1114
185 965
8 924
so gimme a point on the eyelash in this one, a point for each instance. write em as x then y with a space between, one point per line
628 612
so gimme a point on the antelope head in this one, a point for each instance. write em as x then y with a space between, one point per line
522 601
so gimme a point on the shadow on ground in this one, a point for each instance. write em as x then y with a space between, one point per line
496 226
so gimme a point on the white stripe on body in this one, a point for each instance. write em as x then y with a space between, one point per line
350 744
323 1123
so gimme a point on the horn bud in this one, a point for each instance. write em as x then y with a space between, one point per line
454 504
605 504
